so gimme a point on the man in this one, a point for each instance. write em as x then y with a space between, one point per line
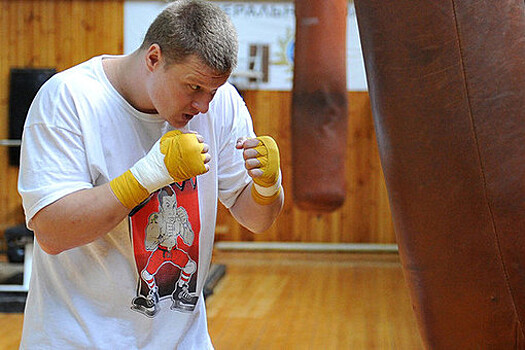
105 145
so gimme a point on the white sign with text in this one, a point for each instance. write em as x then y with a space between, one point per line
266 33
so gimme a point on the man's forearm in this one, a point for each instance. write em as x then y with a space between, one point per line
256 217
77 219
84 216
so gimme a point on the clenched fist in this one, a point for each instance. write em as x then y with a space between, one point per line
175 157
261 159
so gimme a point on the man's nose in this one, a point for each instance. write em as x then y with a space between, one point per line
202 103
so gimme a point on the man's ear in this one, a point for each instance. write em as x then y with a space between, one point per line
153 57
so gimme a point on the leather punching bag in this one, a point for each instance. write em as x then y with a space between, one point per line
319 105
447 88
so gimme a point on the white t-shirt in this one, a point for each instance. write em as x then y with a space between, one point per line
81 133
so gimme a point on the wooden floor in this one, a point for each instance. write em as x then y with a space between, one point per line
270 300
10 330
311 301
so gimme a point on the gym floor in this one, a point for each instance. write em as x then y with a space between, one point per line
296 300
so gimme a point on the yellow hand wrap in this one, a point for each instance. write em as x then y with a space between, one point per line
128 190
267 187
183 155
174 158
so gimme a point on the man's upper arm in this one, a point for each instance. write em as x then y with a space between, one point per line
236 122
53 160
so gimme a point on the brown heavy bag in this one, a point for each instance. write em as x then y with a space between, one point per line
447 86
319 105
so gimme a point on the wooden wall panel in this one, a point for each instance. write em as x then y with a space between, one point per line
36 33
364 218
60 34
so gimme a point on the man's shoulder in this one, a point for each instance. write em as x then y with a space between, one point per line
226 100
228 90
67 94
78 77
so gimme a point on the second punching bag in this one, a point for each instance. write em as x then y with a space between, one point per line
319 105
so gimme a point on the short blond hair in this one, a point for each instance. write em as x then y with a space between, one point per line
195 27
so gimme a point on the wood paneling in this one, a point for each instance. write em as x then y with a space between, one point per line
364 218
55 34
63 33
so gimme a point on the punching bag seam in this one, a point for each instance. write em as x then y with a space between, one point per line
482 170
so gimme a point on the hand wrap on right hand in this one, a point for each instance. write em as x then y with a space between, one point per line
174 158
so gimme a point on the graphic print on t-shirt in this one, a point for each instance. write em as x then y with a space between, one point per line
165 233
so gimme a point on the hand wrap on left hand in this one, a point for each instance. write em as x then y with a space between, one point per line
267 187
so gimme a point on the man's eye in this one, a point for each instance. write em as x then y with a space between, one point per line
194 87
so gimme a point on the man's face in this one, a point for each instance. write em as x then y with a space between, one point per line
169 203
180 91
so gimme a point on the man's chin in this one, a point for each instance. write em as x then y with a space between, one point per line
178 124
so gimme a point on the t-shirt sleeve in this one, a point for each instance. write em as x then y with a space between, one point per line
232 175
53 160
